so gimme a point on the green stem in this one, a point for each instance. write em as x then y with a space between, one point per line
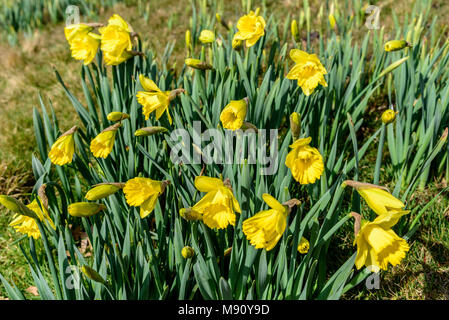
379 155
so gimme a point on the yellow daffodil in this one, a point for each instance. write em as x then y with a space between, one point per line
303 246
395 45
27 225
153 99
251 27
378 245
83 43
103 190
144 192
219 205
234 114
117 116
304 161
377 198
85 209
101 146
116 42
388 116
207 36
62 150
187 252
332 21
308 70
265 228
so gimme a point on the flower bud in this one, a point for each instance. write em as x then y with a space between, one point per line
395 45
295 125
188 39
332 21
85 209
92 274
295 30
187 252
303 246
148 131
393 66
103 190
197 64
207 36
189 214
16 206
117 116
388 116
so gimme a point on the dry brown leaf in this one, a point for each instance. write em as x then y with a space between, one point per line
32 290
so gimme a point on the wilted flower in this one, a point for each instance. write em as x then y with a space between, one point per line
378 245
144 192
103 190
251 27
234 114
265 228
28 225
388 116
308 70
117 116
83 43
395 45
187 252
304 161
217 207
62 150
101 146
116 42
85 209
153 99
207 36
303 246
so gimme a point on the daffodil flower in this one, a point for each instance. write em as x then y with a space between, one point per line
308 71
250 28
233 115
265 228
304 161
144 192
217 208
62 150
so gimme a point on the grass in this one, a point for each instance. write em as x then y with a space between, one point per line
28 70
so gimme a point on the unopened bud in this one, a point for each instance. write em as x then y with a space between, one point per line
395 45
388 116
148 131
117 116
187 252
295 125
197 64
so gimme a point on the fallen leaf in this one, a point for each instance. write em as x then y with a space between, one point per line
32 290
